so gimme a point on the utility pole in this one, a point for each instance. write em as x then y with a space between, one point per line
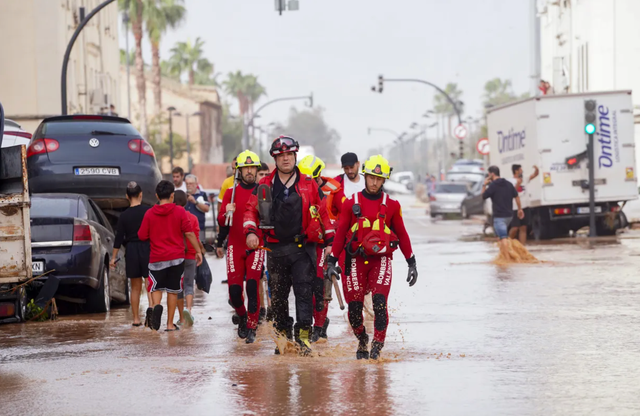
590 129
171 110
126 20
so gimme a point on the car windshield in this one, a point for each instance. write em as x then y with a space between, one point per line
54 207
88 127
467 162
451 188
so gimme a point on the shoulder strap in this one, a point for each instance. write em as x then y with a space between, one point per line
383 206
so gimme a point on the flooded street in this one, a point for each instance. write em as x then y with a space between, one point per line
556 338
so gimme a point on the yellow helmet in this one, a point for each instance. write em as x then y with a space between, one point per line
248 158
377 166
311 166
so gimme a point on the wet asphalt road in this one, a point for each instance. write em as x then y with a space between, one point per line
558 338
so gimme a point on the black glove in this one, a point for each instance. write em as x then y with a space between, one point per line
332 268
412 276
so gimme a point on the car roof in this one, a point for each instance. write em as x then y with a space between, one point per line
59 196
94 117
451 183
11 123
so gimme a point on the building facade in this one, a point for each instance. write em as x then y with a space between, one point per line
592 45
35 34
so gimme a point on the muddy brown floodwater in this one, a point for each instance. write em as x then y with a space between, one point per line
555 338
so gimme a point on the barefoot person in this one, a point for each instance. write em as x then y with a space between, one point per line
166 226
136 251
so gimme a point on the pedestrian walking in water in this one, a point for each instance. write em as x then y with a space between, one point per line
287 208
370 229
136 251
166 226
190 267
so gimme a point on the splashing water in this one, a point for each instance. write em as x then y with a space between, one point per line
514 252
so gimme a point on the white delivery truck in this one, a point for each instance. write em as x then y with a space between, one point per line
549 132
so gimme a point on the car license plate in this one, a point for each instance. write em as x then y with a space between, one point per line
37 267
97 171
585 210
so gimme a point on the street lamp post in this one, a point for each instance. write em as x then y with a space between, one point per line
456 106
245 129
171 110
67 54
189 161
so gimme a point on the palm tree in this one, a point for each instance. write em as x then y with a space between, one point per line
498 92
443 106
205 75
135 9
236 86
160 15
188 57
253 90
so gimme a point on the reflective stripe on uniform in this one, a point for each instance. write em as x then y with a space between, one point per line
249 223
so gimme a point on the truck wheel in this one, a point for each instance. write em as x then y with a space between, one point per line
21 311
603 229
541 227
99 299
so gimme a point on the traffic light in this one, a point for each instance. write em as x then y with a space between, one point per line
574 161
589 116
380 85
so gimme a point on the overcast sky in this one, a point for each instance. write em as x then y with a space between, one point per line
337 48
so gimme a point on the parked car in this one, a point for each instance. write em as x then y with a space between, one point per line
473 204
466 165
394 188
469 177
14 134
405 178
447 198
95 155
72 239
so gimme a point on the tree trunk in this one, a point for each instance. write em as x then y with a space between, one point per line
192 77
155 72
140 81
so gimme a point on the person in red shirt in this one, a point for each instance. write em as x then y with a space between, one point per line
370 228
241 261
190 267
166 226
333 199
287 207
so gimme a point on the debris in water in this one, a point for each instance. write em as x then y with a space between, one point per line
514 252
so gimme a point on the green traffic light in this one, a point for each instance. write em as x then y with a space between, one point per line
590 128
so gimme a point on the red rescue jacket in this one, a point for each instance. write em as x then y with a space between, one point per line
315 227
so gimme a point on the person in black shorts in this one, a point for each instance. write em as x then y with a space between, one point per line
136 251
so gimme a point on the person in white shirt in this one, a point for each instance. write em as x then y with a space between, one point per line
519 226
178 179
352 180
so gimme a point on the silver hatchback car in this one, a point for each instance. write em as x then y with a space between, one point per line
447 198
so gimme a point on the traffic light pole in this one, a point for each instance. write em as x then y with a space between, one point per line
592 189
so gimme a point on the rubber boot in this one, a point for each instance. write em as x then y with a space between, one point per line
302 338
243 331
261 317
376 347
289 330
316 333
324 328
235 319
251 336
362 353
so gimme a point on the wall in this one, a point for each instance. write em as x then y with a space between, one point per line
34 40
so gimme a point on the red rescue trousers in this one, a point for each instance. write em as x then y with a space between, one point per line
239 264
372 275
319 316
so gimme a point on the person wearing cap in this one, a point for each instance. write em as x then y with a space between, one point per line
351 180
370 229
287 208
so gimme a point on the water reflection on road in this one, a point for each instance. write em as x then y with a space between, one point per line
469 338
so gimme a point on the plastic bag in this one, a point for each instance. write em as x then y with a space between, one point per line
204 277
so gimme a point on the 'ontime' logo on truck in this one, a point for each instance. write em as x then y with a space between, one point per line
604 132
513 140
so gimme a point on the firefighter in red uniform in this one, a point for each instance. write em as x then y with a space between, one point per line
370 228
333 197
242 261
287 207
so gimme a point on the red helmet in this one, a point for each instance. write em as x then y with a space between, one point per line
284 144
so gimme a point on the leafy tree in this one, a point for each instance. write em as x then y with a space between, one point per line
123 57
205 74
188 57
310 129
443 106
231 134
236 86
160 15
167 70
498 92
